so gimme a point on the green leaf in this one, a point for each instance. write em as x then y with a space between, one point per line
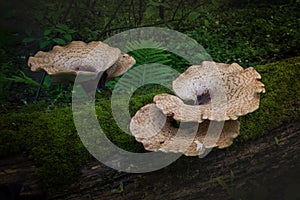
62 27
118 190
215 3
153 3
25 79
276 140
44 43
70 31
59 41
206 23
47 81
68 37
47 32
193 16
222 183
231 174
201 56
150 12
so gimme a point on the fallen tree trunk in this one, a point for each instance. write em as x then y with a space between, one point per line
267 167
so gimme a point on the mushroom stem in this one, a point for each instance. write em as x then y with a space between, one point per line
101 84
38 91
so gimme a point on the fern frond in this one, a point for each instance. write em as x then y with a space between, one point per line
26 80
146 74
148 51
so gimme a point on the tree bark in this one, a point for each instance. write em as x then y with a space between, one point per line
267 167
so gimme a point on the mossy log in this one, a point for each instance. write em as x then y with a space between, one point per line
265 168
49 138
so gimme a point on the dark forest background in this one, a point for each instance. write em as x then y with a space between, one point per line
248 32
260 33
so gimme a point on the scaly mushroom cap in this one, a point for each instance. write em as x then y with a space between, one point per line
158 133
201 83
206 75
121 66
65 62
221 93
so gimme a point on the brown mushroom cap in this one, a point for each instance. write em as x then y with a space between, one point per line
121 66
63 63
174 107
153 124
207 75
77 56
151 127
241 90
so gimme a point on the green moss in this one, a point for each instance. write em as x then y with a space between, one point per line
50 137
279 104
140 98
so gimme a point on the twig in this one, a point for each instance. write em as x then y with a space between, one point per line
112 17
179 4
140 12
133 8
38 91
68 11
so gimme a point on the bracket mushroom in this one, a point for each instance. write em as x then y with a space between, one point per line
153 124
158 133
63 63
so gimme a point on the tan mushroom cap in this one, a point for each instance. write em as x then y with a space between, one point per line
152 128
221 93
63 63
124 63
77 56
174 107
241 92
121 66
207 74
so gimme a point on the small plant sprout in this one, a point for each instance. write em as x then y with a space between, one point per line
276 141
118 190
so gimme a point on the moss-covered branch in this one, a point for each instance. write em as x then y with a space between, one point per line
281 101
50 138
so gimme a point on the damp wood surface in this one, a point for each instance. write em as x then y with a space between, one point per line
271 163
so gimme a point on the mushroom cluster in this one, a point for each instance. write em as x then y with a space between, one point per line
63 63
219 93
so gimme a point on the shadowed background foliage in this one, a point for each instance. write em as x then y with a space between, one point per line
249 32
